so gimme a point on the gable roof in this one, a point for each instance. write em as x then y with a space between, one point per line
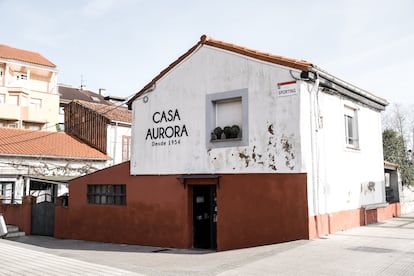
25 142
112 112
329 80
8 52
206 40
68 94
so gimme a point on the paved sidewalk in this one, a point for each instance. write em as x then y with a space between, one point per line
385 248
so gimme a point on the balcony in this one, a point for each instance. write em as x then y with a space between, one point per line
10 112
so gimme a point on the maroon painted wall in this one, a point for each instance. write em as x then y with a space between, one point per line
253 209
156 212
19 215
259 209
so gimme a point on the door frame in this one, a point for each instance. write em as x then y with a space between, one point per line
211 192
197 180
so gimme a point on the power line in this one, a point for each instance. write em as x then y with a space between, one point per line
115 106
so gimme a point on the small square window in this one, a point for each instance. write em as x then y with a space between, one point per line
227 119
351 127
13 99
35 103
106 194
20 76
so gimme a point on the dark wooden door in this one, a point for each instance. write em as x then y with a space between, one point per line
43 219
204 216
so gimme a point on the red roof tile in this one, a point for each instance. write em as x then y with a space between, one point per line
43 143
112 112
8 52
205 40
288 62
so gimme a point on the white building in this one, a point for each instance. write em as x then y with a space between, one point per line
28 90
294 118
40 163
106 127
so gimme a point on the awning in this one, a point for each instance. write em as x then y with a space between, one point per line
51 179
199 179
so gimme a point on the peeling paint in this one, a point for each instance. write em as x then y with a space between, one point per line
270 129
245 157
371 186
273 167
289 155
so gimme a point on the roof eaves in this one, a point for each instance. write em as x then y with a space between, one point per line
31 57
205 40
288 62
55 156
356 92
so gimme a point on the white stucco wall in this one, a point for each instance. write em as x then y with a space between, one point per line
114 141
273 121
14 169
340 178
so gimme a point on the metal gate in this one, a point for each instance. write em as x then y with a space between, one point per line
43 219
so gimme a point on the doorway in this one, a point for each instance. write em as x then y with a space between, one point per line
204 216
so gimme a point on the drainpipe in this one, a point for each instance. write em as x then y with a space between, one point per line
314 149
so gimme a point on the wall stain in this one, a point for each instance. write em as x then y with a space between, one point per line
245 157
289 155
371 186
270 129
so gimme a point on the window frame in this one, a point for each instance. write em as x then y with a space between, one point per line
35 103
20 76
211 101
13 96
106 194
7 189
126 148
351 116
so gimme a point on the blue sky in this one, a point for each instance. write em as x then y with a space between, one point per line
121 45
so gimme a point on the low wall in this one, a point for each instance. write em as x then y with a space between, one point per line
334 222
19 215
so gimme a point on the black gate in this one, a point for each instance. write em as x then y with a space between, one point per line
43 219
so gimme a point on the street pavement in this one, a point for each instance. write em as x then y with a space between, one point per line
385 248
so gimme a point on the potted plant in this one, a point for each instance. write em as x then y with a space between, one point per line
227 132
218 132
235 130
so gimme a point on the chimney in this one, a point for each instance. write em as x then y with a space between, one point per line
102 92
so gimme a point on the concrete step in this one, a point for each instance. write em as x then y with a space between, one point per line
12 228
13 232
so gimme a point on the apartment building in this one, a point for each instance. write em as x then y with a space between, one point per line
28 90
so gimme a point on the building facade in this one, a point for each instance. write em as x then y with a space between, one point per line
106 127
68 93
40 163
28 90
232 147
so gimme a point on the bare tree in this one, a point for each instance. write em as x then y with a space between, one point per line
399 118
